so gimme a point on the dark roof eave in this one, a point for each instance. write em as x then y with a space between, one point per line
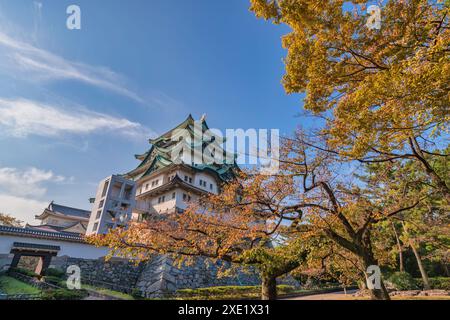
48 235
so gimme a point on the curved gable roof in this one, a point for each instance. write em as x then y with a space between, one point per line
69 211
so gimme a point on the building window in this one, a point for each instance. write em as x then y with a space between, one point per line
105 188
95 227
146 186
186 197
155 183
186 178
201 182
173 195
102 203
210 186
190 180
99 213
162 199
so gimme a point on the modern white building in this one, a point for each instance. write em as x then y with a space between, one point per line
114 202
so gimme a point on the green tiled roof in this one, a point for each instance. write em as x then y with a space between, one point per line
159 155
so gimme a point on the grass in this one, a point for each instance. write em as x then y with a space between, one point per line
10 285
108 292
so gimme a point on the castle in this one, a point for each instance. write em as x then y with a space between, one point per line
171 174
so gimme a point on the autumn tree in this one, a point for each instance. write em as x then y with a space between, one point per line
225 227
307 199
7 220
382 93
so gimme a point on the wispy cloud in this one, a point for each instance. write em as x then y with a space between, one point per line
29 182
22 191
21 118
42 64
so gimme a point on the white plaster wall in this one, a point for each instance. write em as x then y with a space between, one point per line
165 206
179 197
71 249
142 186
209 180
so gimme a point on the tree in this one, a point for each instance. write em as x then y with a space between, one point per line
424 228
383 93
213 229
7 220
305 199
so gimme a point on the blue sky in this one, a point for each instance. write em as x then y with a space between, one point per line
76 105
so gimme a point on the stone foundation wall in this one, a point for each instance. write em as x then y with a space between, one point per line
161 276
120 275
157 277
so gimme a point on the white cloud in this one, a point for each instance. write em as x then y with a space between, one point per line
28 182
21 191
21 208
45 65
21 117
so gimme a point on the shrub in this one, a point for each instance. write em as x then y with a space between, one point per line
438 283
402 281
25 272
53 272
53 280
64 294
136 293
229 291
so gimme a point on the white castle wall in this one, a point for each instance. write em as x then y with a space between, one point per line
68 249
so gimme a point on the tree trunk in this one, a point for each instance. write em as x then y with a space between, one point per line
269 288
423 272
400 249
445 266
375 293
